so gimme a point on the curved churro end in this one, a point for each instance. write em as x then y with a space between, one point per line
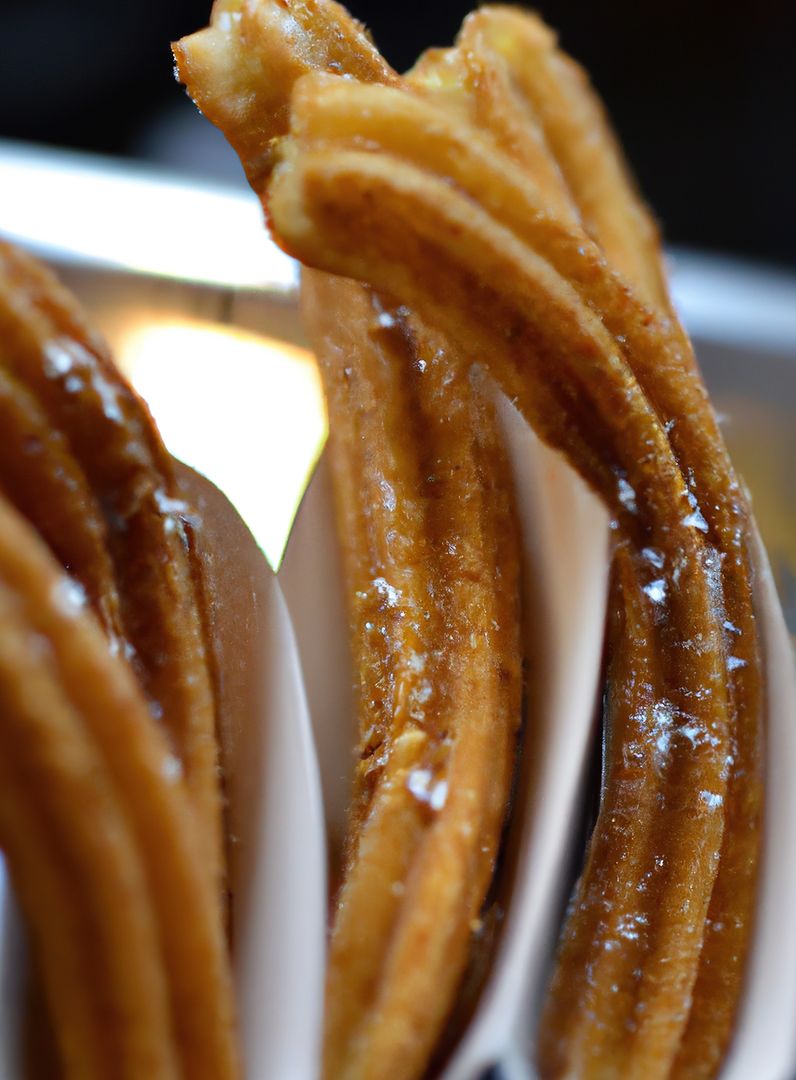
558 93
241 68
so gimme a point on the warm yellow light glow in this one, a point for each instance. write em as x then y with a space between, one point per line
245 410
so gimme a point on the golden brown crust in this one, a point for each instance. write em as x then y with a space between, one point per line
102 844
476 278
430 551
223 67
95 418
557 99
41 478
606 935
487 193
486 298
514 67
480 286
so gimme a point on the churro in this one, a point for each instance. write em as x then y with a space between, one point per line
102 844
485 192
430 553
95 418
512 66
110 819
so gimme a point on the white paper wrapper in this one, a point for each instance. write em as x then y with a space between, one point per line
312 582
13 964
278 852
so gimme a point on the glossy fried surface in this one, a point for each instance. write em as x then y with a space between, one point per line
431 559
101 841
41 478
527 87
83 460
485 191
501 301
111 819
241 68
489 294
507 64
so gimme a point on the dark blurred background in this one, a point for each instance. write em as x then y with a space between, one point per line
703 94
